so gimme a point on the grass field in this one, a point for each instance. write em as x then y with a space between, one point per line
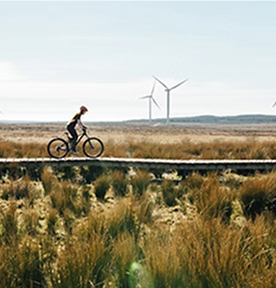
157 133
84 227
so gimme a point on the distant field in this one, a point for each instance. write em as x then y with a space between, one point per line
157 133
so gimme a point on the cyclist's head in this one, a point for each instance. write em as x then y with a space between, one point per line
83 109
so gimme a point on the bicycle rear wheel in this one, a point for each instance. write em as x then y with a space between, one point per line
93 147
57 148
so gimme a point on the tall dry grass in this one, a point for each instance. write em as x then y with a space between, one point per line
249 149
259 194
17 189
210 198
65 237
140 182
101 185
211 254
9 223
80 263
18 150
119 183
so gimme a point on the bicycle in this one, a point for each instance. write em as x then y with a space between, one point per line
92 147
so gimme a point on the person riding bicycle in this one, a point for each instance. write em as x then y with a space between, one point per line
71 127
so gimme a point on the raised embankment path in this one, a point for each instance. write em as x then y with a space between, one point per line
184 166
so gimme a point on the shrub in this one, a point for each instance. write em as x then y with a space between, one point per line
163 262
193 181
145 208
122 218
81 264
140 182
85 203
212 255
211 200
64 195
30 268
51 220
30 221
119 183
69 220
258 194
47 180
17 189
123 254
9 223
8 264
91 173
170 192
21 264
95 224
66 173
101 186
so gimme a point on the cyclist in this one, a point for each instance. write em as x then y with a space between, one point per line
71 127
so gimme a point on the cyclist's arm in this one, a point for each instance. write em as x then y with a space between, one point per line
80 124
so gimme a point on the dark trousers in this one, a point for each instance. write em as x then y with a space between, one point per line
72 131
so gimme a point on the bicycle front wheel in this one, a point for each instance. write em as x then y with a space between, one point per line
93 147
57 148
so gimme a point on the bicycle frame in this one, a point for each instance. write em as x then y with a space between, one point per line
81 136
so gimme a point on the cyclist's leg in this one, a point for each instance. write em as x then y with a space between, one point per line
72 131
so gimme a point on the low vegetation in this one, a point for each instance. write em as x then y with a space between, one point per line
249 149
95 227
62 228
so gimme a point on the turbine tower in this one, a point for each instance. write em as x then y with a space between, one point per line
168 90
151 99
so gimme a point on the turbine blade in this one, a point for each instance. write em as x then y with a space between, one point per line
144 97
160 82
179 84
274 104
155 103
153 87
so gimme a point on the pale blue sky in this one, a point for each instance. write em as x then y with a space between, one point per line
56 56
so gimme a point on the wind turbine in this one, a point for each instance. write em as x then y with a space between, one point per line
151 99
168 90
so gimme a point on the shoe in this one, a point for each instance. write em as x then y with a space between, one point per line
74 151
